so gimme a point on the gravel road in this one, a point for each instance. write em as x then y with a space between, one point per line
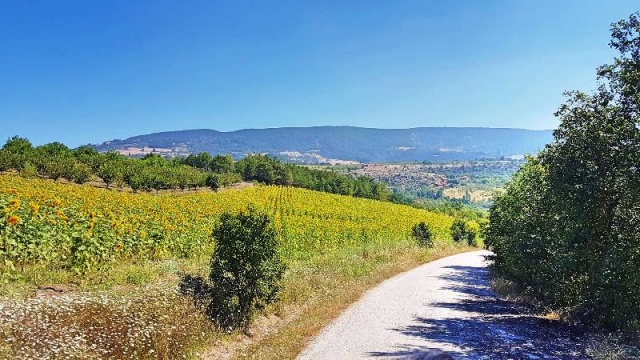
443 306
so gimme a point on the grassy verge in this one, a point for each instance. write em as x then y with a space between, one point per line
88 317
91 317
317 291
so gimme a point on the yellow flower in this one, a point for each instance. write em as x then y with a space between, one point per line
118 246
56 202
60 214
35 208
13 220
14 204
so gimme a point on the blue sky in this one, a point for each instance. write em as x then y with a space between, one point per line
89 71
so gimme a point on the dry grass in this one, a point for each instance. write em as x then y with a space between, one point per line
152 322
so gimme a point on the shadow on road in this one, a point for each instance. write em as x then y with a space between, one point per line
485 327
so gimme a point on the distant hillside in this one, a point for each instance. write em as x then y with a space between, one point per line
327 143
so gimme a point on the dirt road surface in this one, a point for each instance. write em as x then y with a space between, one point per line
443 306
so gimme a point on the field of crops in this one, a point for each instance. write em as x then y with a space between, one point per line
84 228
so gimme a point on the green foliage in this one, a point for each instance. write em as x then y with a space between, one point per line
88 156
213 181
28 171
109 171
467 231
18 150
455 208
457 230
272 171
5 160
245 268
81 173
154 172
568 226
222 164
200 161
423 235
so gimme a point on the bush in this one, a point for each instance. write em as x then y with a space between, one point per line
472 229
465 231
457 230
422 234
245 268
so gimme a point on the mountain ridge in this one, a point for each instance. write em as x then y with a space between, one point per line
318 144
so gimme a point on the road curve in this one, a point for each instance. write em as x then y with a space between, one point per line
443 306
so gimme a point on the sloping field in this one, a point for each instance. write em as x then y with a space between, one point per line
83 268
84 227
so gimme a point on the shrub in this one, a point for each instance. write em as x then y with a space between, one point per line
245 268
465 231
457 230
472 229
422 233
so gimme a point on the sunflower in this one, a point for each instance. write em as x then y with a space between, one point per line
13 220
35 208
14 204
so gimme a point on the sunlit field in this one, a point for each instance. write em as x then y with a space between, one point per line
123 254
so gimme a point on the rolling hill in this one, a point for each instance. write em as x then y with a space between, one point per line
327 144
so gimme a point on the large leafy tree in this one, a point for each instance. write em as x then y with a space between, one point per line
16 151
568 227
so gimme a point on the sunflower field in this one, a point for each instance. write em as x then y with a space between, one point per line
85 228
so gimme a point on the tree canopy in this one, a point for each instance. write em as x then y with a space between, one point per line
568 226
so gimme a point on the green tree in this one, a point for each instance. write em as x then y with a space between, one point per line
5 160
18 150
88 156
81 173
423 234
245 268
568 225
214 181
109 171
221 164
457 230
201 161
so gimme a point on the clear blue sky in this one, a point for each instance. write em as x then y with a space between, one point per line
90 71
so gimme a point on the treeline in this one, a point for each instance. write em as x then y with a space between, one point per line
268 170
568 227
153 172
